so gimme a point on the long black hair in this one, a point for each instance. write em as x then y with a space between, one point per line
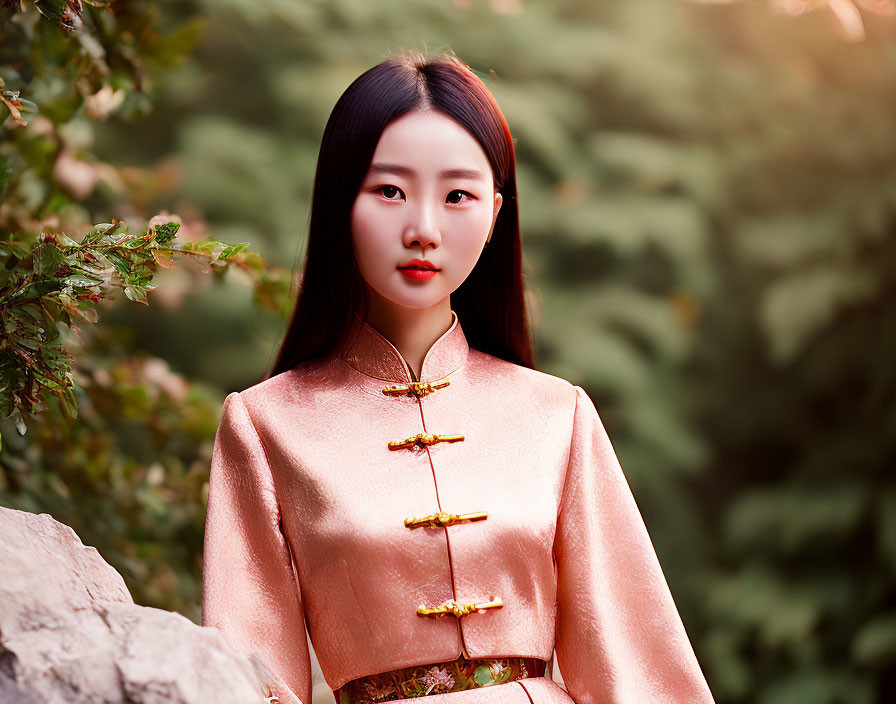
490 304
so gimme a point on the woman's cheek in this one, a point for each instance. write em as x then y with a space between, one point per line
368 232
370 256
363 216
472 231
477 222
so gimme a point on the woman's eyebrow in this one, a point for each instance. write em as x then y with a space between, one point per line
406 171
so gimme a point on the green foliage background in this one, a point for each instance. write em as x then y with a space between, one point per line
708 205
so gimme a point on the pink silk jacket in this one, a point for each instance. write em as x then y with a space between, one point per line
316 470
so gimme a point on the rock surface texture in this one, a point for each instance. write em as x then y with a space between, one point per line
71 633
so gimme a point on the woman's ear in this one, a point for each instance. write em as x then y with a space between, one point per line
498 200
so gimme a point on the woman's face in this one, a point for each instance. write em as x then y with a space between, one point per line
428 196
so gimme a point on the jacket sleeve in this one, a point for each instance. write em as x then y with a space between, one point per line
619 638
249 591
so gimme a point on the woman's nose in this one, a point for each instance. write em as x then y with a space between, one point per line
423 227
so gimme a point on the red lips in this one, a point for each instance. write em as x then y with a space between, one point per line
419 264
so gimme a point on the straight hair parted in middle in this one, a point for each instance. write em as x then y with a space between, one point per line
490 304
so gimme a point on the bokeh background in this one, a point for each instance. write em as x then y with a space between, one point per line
708 209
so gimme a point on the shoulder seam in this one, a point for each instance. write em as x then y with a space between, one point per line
572 434
264 449
293 566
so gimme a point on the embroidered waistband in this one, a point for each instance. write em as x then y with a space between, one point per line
439 678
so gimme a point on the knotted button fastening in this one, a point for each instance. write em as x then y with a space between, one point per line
422 440
444 519
419 389
459 609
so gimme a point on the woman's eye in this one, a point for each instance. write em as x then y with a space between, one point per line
460 194
389 191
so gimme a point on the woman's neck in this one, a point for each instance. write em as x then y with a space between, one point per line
411 330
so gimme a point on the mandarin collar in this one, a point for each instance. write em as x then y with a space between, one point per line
371 353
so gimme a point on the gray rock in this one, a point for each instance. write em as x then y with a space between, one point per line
71 633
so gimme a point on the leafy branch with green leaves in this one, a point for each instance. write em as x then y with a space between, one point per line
61 281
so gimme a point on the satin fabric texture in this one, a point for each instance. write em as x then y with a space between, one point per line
305 528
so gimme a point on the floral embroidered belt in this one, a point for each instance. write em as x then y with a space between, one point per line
439 678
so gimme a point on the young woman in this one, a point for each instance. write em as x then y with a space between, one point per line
438 514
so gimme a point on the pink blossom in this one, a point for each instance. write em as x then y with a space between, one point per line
437 676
